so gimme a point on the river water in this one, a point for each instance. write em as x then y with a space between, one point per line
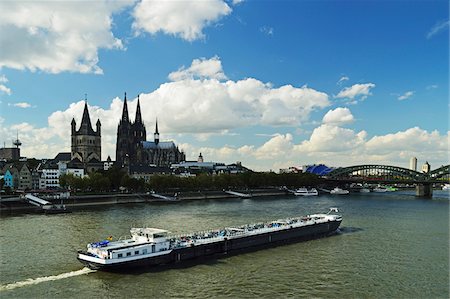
390 245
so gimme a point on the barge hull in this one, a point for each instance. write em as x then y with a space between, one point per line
219 249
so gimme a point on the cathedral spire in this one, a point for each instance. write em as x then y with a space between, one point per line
156 135
125 110
138 118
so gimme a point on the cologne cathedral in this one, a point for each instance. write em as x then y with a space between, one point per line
132 147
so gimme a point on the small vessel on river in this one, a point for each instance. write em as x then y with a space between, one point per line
306 192
339 191
152 246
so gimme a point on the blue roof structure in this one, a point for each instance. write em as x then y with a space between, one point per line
159 145
319 169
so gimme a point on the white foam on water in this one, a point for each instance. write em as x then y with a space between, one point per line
33 281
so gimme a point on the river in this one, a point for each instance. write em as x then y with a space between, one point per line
390 245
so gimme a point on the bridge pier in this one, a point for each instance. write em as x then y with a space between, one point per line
424 190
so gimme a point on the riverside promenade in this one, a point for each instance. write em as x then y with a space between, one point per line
78 202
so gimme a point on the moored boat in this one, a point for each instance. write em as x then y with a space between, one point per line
339 191
306 192
152 247
380 189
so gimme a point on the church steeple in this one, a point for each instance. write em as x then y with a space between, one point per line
138 119
86 126
156 135
125 110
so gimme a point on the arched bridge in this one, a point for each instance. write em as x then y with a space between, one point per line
388 173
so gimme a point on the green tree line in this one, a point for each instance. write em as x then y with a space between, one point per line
115 179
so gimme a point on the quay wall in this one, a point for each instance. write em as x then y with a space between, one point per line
17 204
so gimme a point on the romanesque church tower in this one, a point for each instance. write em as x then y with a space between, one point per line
129 135
86 143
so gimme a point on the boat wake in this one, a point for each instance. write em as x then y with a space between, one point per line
33 281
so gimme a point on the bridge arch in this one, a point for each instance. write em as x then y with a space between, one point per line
441 172
377 172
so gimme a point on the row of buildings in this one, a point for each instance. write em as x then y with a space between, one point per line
138 157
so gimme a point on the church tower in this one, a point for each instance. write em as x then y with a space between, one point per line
86 143
139 133
129 135
156 134
123 136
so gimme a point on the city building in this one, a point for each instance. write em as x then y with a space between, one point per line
191 168
108 163
86 143
133 149
9 179
25 178
413 163
426 167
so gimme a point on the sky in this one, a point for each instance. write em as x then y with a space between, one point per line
272 84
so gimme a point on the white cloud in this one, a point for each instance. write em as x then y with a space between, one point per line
54 36
356 90
342 80
22 105
185 19
4 89
236 2
432 86
200 69
276 145
438 27
338 116
414 140
267 30
331 138
406 95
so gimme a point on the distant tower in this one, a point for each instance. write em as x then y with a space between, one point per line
426 167
413 163
156 134
129 135
200 158
86 143
17 142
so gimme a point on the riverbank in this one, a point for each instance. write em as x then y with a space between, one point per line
17 204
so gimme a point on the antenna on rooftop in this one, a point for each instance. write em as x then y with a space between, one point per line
17 142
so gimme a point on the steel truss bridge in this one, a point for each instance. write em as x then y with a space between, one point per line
387 173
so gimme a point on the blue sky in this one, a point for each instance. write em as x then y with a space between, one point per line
269 83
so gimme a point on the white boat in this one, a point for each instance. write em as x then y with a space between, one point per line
364 190
446 187
379 189
339 191
306 192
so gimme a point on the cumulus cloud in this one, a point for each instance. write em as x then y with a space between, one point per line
406 95
201 104
54 36
361 91
438 27
331 138
200 69
338 116
185 19
5 89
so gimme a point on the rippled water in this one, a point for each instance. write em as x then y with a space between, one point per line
391 245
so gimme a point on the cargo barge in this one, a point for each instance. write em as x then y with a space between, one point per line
149 247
